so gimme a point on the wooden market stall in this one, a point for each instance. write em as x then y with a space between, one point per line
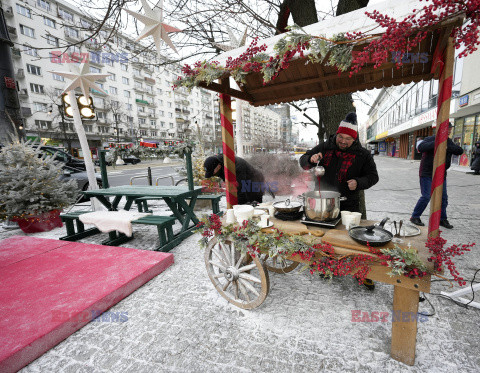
302 80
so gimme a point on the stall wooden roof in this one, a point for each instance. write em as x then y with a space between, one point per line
304 80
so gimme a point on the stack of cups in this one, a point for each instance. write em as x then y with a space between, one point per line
350 219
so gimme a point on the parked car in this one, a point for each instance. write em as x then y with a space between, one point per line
131 159
80 178
62 156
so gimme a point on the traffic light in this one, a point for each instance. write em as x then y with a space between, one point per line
87 110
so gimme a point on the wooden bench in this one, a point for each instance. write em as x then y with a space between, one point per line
164 227
142 202
71 219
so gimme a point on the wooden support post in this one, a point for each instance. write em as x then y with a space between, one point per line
404 324
443 113
228 146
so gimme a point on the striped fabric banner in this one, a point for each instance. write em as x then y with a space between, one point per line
228 149
443 112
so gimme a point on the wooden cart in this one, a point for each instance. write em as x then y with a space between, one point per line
244 281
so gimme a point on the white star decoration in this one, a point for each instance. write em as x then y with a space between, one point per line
152 19
234 43
82 78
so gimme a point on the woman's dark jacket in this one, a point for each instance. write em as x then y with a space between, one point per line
355 163
427 148
476 160
250 181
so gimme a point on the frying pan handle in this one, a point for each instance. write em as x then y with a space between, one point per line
382 223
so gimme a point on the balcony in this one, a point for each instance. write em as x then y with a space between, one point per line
142 113
208 116
20 74
138 77
9 12
185 111
12 31
180 120
142 102
26 111
23 92
139 89
150 80
150 93
178 110
16 53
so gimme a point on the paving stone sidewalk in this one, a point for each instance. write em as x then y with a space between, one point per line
179 323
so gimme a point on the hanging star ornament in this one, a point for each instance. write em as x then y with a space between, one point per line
234 43
83 78
152 19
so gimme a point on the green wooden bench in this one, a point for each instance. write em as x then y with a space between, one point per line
142 202
164 227
71 219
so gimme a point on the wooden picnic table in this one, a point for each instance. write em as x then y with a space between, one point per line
175 197
252 278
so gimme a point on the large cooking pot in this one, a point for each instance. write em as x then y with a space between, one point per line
374 235
322 206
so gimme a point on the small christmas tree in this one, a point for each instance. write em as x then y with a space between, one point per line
30 183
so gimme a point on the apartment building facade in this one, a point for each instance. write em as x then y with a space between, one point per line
141 105
402 116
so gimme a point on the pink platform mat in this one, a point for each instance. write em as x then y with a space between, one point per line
49 289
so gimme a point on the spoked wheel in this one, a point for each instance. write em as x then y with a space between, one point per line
241 281
280 265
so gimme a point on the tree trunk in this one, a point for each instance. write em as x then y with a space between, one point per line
331 109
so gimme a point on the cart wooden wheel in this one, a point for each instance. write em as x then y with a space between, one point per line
241 281
280 265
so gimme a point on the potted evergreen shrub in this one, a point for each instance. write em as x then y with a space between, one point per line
31 192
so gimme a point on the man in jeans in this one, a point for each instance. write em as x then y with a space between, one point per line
427 148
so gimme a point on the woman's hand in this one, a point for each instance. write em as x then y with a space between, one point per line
316 157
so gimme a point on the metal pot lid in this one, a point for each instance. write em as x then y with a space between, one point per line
284 205
370 234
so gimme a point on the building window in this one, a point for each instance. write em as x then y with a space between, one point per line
162 113
124 67
136 72
129 107
95 70
43 124
40 106
112 77
125 80
126 94
153 133
35 70
153 123
88 128
73 33
58 77
100 115
52 40
113 90
27 31
24 11
169 104
141 121
171 125
44 4
65 15
162 124
170 115
30 51
37 88
49 22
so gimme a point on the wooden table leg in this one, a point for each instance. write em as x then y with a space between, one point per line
404 324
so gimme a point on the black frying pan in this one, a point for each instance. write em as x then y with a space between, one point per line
375 236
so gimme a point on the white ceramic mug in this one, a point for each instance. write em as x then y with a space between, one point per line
243 212
264 220
357 217
344 217
349 221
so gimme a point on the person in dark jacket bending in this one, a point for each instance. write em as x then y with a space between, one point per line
349 167
427 148
250 181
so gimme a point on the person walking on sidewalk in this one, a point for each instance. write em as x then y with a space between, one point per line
475 166
427 148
